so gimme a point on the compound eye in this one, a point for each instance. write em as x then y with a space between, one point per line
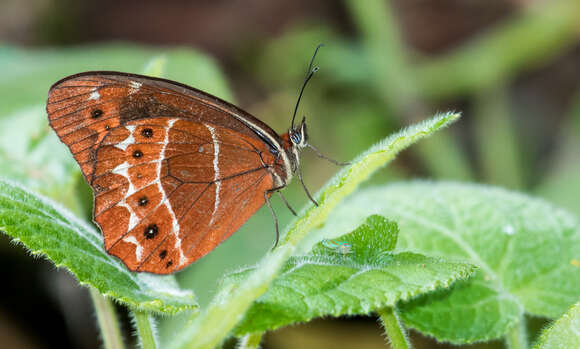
296 137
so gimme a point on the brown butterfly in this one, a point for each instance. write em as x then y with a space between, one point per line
175 171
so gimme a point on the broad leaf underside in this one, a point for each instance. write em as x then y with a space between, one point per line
527 251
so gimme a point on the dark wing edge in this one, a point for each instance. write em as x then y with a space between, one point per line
188 91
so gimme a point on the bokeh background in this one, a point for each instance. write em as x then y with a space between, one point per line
512 67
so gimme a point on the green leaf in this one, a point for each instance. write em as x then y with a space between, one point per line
228 307
560 184
367 278
528 252
564 333
47 229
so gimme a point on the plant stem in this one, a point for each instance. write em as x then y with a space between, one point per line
537 34
145 329
108 321
517 336
496 135
386 51
394 329
397 87
250 341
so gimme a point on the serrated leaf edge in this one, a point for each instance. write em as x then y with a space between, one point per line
466 271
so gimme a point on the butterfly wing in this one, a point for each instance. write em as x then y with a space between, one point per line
174 172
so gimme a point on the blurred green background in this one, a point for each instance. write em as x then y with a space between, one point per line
512 67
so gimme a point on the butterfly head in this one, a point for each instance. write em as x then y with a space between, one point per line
298 135
293 142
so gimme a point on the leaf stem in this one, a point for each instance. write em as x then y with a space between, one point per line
500 156
517 336
250 341
394 328
107 320
145 324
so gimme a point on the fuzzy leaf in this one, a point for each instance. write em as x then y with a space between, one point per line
528 252
328 282
47 229
563 333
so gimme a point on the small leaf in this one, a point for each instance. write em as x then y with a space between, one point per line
528 252
45 228
563 333
325 282
376 234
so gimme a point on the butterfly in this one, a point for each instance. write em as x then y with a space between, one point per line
174 171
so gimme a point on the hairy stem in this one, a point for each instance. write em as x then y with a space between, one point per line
517 336
394 328
145 324
250 341
107 320
397 86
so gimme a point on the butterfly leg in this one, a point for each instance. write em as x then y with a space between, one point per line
286 202
267 197
306 189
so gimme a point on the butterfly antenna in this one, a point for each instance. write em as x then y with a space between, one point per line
309 73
